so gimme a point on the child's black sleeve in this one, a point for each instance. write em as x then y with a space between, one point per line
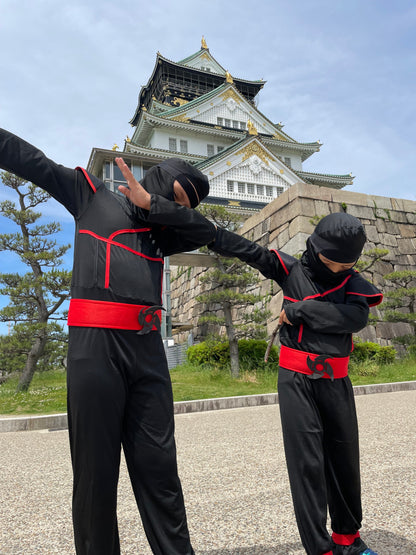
327 317
272 264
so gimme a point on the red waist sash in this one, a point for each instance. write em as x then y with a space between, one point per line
121 316
318 366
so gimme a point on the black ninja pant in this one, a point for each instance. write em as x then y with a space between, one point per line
119 393
320 435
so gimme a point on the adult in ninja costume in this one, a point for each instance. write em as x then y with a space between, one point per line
325 302
119 389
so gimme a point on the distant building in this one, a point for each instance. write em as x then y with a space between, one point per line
196 110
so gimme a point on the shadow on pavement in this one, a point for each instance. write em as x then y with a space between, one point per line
382 541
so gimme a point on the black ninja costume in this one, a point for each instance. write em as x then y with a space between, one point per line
315 394
119 390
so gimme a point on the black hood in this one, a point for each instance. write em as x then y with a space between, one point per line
339 237
159 180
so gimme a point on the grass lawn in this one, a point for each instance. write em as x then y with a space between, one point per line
47 393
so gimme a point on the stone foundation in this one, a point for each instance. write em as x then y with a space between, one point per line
285 224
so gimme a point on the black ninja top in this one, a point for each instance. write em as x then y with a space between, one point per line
119 248
325 308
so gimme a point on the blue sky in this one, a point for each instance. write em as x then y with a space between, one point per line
340 71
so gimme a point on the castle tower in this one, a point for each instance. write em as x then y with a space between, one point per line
197 110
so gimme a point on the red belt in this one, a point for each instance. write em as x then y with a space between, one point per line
320 366
121 316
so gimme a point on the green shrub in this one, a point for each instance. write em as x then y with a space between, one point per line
251 353
367 350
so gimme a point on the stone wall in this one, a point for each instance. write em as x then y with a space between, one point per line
285 224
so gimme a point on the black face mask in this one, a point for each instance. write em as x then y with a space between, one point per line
160 179
318 271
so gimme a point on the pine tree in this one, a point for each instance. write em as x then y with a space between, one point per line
35 297
228 282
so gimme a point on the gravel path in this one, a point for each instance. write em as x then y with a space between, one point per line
234 479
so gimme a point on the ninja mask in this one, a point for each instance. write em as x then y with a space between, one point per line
159 180
339 237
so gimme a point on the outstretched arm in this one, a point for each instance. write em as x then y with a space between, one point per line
272 264
66 185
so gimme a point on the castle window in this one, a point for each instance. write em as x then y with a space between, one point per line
250 188
184 146
241 187
243 125
227 122
269 191
279 190
220 121
230 187
236 124
172 144
260 190
210 150
220 148
288 162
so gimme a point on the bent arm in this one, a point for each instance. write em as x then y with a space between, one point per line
327 317
66 185
183 229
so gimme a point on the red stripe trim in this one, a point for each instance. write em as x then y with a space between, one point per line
122 231
103 314
320 294
88 178
345 539
300 333
329 290
115 243
378 300
328 553
281 261
290 299
295 360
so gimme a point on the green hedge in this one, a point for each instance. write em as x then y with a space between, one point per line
251 353
369 351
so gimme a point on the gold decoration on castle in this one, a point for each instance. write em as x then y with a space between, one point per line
279 137
181 118
203 43
230 93
254 149
180 101
234 203
205 56
251 129
115 147
228 77
228 163
128 140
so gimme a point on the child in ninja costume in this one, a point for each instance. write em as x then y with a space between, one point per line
325 302
119 389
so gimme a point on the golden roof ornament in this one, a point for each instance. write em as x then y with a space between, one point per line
251 129
203 43
128 140
228 77
115 147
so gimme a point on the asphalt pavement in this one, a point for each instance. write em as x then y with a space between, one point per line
234 479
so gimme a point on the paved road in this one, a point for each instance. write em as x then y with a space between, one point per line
234 479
